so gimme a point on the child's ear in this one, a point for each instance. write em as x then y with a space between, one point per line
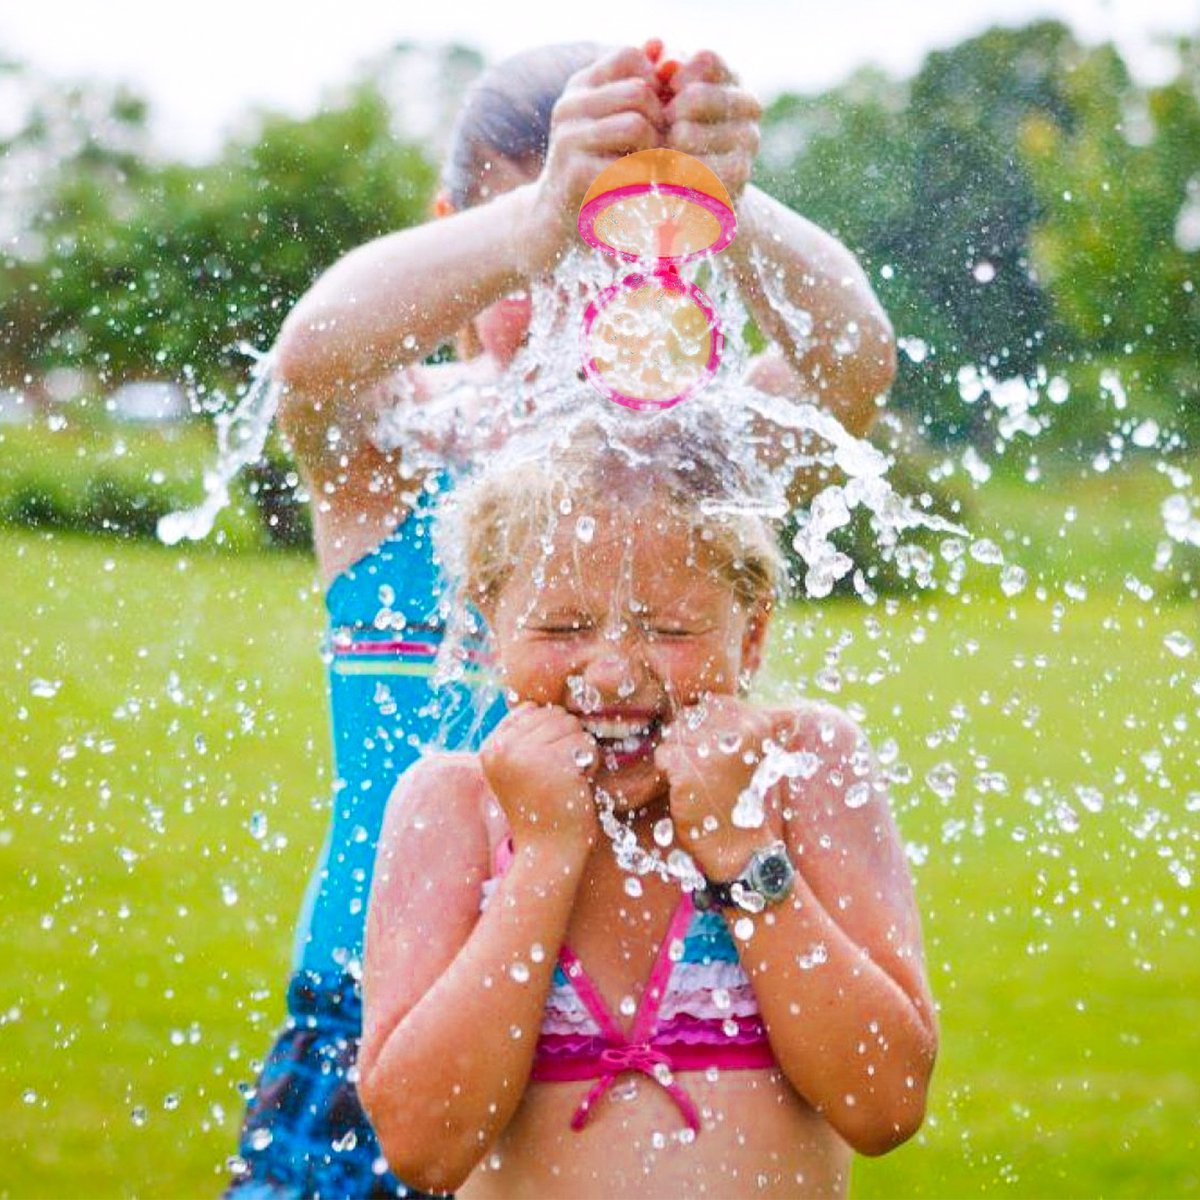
754 638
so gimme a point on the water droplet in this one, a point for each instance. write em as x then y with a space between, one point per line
748 810
664 832
519 972
986 551
229 895
1178 643
720 998
633 886
1013 579
44 689
138 1115
729 742
942 780
260 1139
584 758
857 794
585 528
1146 434
743 929
815 957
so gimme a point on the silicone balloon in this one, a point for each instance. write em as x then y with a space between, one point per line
653 339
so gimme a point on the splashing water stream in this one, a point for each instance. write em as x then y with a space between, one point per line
977 799
241 435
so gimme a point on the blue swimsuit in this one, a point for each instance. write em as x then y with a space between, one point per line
384 631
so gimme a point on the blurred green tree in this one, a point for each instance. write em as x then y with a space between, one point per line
170 270
926 183
1118 241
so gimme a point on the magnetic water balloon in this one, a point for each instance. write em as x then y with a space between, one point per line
653 339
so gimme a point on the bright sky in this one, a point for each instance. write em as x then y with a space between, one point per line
204 64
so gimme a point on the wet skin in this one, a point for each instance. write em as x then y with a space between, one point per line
637 624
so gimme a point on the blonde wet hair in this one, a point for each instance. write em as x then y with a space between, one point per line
490 523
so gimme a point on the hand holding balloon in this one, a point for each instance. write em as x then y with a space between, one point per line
711 116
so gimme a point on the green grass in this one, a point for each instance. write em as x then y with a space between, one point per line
146 929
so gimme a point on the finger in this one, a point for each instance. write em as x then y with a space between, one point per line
616 96
713 102
705 66
621 133
621 64
731 155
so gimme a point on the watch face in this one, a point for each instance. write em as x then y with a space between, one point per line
773 874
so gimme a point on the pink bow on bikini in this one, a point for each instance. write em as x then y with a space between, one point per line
637 1057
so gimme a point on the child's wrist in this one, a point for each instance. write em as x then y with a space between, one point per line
552 854
537 245
721 859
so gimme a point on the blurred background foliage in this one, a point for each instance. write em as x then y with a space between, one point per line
1026 210
1030 216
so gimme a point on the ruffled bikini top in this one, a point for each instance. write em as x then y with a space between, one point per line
698 1011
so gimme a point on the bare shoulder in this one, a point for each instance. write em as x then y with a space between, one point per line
447 786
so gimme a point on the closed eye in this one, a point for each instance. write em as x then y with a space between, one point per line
669 632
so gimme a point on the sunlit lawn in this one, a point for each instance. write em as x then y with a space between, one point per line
147 918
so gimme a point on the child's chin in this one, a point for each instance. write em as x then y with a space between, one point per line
633 787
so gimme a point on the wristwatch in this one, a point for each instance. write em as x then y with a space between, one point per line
766 879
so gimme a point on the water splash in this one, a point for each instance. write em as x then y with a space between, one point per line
241 435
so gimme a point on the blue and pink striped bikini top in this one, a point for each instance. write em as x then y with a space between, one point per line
698 1011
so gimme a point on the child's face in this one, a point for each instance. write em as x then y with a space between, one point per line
624 630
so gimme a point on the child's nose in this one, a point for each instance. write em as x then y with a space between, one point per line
616 666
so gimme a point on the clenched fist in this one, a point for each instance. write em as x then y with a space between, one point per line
539 761
708 754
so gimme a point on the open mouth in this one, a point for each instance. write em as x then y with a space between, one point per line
623 740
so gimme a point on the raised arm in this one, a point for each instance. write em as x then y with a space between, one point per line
454 997
830 342
785 265
391 302
836 967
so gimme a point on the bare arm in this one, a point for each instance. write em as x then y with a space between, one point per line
787 266
454 998
389 303
393 301
838 967
831 342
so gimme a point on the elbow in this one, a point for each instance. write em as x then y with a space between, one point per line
429 1175
884 1129
895 1114
427 1159
301 352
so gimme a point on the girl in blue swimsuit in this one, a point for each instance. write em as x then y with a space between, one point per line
532 135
